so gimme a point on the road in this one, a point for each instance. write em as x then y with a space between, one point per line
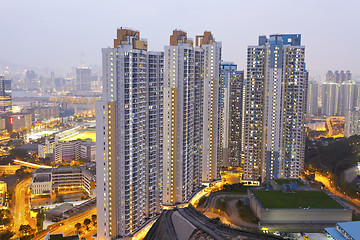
66 226
21 210
170 225
330 126
326 181
217 231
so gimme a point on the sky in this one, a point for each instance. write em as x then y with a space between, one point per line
60 34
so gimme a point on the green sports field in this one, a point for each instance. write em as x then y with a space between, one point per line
298 199
82 135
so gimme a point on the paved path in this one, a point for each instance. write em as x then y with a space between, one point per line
21 213
67 226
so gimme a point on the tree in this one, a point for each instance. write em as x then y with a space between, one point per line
59 199
19 153
87 222
25 229
14 135
40 220
5 235
94 219
78 226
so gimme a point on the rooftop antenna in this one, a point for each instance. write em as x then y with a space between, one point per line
82 59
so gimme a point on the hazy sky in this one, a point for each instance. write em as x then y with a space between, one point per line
55 33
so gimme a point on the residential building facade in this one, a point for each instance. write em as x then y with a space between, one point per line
5 95
313 99
273 143
230 115
128 137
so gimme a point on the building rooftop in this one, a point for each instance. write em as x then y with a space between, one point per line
60 237
61 208
297 199
29 147
42 178
67 169
335 233
351 228
42 170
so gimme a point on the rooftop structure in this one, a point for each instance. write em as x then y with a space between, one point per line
277 207
56 214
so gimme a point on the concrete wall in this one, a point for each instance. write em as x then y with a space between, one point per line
305 215
286 215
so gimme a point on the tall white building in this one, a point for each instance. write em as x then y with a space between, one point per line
312 102
352 123
191 84
274 109
128 137
178 125
347 97
330 99
211 62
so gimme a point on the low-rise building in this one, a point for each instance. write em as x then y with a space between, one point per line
2 126
57 213
3 190
74 150
41 183
46 149
16 122
45 181
45 113
20 121
277 207
345 230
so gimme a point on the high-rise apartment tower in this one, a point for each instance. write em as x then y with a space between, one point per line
273 137
5 95
230 115
129 137
190 132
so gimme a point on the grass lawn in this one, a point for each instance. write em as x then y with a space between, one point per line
299 199
287 181
246 213
220 204
82 135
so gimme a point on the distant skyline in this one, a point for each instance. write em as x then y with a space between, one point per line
56 34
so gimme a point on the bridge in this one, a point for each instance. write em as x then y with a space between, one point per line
30 165
75 99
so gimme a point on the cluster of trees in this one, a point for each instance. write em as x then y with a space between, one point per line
5 217
334 157
22 173
25 229
40 220
86 223
6 235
